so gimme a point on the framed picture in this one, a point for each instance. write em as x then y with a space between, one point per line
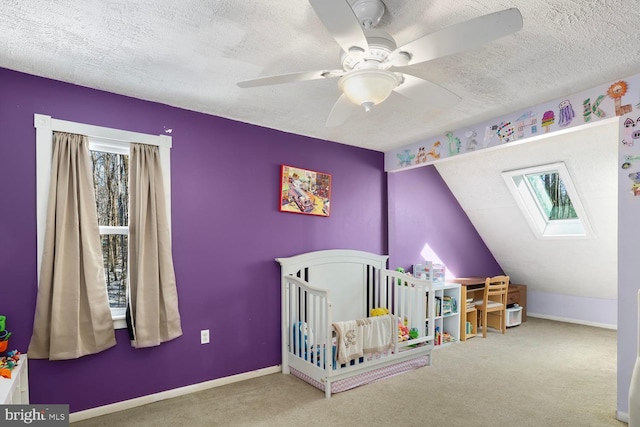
304 191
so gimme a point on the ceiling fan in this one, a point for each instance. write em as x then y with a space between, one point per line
370 57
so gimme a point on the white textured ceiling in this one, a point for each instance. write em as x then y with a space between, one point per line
577 267
191 54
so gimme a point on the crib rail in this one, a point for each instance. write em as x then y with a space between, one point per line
407 298
306 320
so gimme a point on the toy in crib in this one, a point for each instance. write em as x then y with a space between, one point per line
379 311
303 340
403 331
407 273
302 336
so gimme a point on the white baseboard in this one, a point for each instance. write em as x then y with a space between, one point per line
569 320
622 416
168 394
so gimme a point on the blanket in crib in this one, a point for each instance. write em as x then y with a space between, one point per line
355 338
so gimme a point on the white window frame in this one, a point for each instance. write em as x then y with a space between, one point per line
115 147
526 200
101 138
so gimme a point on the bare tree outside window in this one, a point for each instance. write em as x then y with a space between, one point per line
111 185
549 201
552 196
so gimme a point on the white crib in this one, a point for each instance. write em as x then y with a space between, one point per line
324 287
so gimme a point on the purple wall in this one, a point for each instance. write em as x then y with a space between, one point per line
422 211
226 233
227 230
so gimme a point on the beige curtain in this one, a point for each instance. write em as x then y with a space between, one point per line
72 316
152 315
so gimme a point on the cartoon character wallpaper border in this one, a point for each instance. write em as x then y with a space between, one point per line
611 99
304 191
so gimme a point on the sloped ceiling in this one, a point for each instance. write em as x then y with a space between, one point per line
191 54
577 267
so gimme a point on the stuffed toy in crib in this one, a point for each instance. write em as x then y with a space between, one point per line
303 337
379 311
403 331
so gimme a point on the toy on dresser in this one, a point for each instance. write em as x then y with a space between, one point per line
8 363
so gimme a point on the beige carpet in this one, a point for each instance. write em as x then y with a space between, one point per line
541 373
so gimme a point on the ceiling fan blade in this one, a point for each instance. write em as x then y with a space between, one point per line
340 112
463 36
291 77
338 17
426 93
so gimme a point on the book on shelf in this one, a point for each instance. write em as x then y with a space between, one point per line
437 307
447 307
447 337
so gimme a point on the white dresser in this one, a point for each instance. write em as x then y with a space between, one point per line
16 390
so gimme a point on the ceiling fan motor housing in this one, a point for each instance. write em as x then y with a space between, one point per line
380 45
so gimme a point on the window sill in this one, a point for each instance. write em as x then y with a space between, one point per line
119 323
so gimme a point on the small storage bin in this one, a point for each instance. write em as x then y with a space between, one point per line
514 316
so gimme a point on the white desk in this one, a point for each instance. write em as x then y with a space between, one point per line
16 390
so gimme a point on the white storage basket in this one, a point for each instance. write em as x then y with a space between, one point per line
514 316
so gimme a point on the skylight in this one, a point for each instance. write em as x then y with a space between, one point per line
549 201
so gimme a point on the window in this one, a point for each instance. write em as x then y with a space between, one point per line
109 149
110 170
549 201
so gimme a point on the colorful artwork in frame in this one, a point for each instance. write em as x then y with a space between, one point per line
304 191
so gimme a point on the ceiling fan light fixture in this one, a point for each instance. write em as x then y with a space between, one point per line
368 87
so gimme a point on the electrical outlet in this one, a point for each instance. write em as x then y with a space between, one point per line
204 336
